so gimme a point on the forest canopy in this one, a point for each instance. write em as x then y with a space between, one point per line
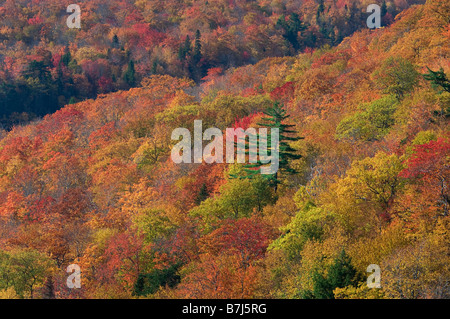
86 175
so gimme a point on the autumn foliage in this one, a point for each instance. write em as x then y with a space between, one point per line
86 175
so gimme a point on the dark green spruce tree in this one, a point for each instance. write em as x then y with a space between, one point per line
149 283
340 274
276 118
130 74
155 67
115 41
320 9
195 66
185 49
197 56
291 28
67 57
439 79
202 195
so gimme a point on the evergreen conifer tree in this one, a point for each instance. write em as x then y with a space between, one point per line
276 117
438 78
339 275
130 74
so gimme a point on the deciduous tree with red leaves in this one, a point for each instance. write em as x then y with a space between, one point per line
430 167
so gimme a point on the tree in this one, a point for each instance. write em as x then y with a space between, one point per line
383 11
148 284
39 70
197 55
48 291
239 198
67 57
276 119
219 276
383 8
307 225
397 76
130 74
202 195
373 180
125 258
320 8
420 270
248 237
339 275
372 123
438 78
185 49
24 270
291 28
430 165
115 41
228 265
196 67
354 18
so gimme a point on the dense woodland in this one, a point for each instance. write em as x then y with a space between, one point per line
86 175
45 65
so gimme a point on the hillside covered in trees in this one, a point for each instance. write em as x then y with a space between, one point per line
86 175
46 65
